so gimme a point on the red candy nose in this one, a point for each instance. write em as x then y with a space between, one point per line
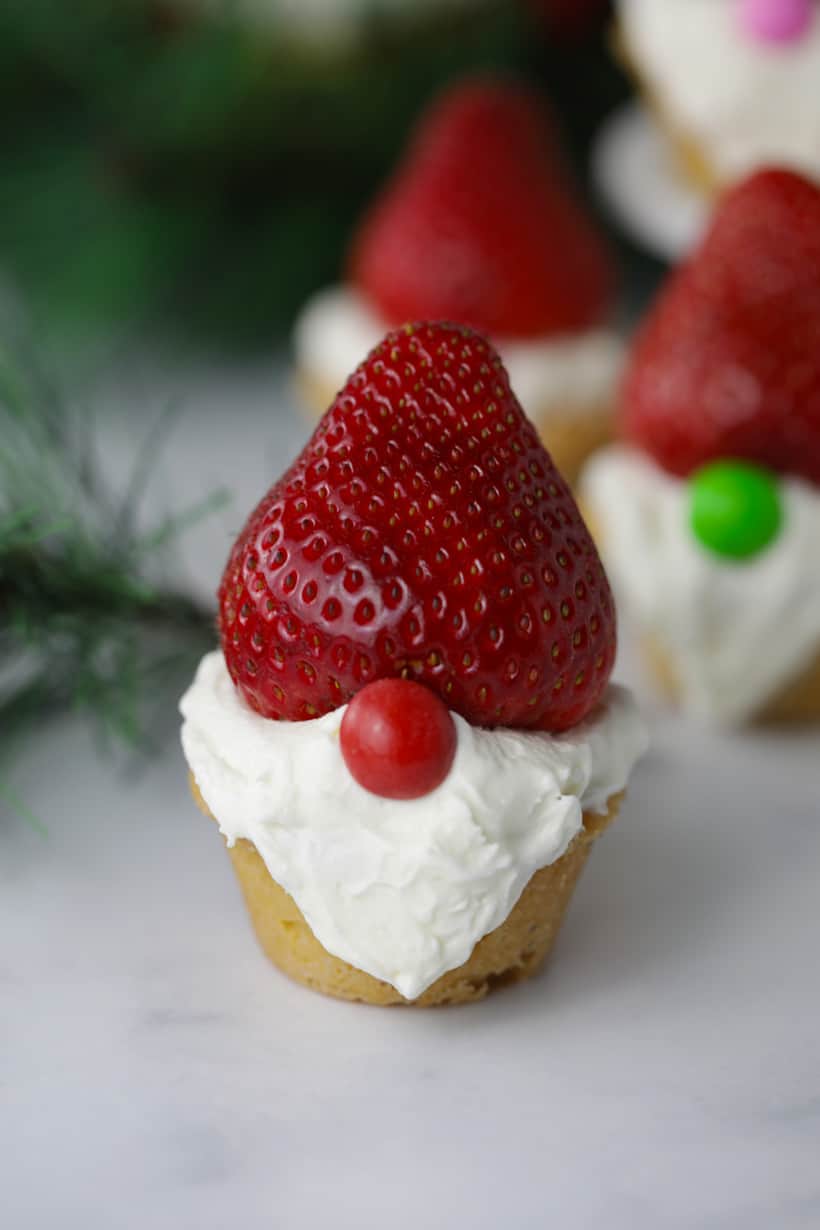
398 739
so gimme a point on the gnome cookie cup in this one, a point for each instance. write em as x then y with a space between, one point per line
708 514
409 739
735 84
480 224
510 952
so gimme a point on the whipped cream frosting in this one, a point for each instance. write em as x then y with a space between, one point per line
401 889
746 102
572 374
737 632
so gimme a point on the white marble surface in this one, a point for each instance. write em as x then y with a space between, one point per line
155 1071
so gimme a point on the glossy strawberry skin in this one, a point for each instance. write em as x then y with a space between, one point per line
424 533
481 224
727 364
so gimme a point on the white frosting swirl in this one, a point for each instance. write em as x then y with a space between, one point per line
570 374
736 632
746 103
403 890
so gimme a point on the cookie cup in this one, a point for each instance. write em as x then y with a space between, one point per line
691 160
512 952
798 702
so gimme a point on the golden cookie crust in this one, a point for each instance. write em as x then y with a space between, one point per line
512 952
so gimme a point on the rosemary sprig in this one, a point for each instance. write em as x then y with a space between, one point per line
84 624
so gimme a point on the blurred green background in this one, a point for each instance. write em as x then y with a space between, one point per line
184 166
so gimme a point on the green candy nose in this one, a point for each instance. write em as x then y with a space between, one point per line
735 509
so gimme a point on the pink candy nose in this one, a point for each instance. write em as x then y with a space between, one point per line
775 21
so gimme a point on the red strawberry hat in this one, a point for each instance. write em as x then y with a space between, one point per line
727 363
481 224
423 534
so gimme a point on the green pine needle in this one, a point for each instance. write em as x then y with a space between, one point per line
83 626
13 800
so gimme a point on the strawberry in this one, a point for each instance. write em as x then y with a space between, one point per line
727 364
481 224
423 533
